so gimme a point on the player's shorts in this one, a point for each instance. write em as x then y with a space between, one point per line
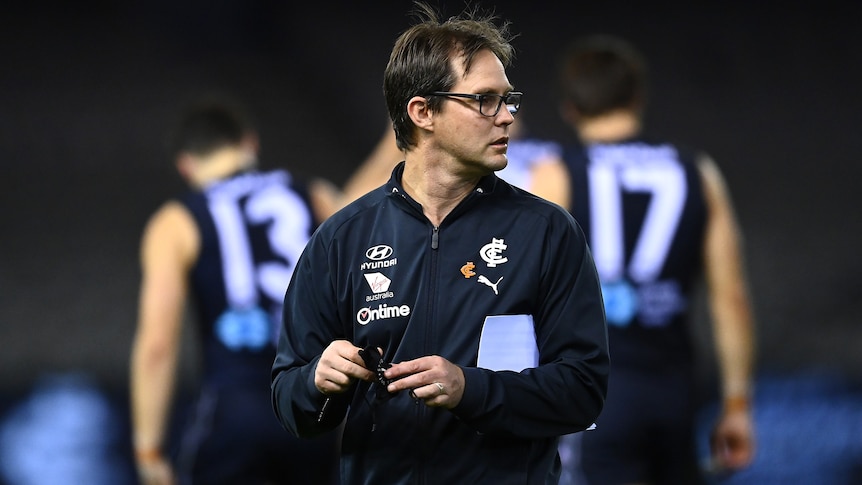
645 433
234 437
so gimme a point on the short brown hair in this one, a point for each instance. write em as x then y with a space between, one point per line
602 73
420 59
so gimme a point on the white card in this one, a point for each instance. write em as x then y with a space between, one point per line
508 342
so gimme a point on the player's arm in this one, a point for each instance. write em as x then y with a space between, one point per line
549 179
375 169
325 197
733 321
169 246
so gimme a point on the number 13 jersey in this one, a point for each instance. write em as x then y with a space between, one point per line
253 227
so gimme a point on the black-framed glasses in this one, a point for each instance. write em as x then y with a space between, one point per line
489 104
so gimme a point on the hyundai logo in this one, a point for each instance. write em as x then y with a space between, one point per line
376 253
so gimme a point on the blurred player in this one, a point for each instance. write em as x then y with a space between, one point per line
229 244
657 217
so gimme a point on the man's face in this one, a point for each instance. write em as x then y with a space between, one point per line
476 143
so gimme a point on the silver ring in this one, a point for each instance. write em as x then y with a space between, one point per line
440 386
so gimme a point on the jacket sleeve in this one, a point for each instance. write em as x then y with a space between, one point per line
310 322
566 392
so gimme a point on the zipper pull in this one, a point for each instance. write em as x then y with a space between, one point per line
434 238
323 410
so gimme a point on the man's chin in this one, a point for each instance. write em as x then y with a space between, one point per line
499 163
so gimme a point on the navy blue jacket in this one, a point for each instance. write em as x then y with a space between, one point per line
379 273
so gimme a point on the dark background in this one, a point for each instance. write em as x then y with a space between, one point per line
88 90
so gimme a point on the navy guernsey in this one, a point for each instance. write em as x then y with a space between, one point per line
641 205
253 227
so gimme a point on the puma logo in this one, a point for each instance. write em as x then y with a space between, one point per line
482 279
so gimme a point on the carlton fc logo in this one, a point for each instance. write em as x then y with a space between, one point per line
376 253
492 252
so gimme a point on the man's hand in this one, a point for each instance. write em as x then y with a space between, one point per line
154 469
732 440
433 379
339 365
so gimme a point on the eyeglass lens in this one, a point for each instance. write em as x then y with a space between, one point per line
513 102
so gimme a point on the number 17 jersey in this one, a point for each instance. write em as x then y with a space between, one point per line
642 208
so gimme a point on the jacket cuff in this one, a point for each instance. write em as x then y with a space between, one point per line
475 390
317 398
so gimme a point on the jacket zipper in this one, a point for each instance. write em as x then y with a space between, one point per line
435 244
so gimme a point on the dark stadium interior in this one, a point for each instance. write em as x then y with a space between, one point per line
88 90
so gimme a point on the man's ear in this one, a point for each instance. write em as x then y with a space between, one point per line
420 113
185 163
569 113
251 143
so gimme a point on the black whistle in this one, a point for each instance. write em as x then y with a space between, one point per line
374 362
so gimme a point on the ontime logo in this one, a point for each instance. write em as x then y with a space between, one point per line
367 315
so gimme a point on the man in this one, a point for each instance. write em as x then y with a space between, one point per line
657 216
231 244
451 321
